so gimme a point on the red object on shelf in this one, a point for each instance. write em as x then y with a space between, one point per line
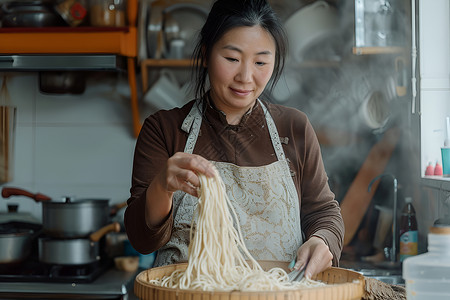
430 170
77 11
438 169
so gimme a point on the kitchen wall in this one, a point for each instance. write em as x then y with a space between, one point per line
71 145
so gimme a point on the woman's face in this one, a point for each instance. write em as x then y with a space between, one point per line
240 65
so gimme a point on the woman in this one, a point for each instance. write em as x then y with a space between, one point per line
267 155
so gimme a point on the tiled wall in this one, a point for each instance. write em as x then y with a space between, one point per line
75 145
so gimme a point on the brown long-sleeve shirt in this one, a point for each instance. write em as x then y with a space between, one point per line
245 144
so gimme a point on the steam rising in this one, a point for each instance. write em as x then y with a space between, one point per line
333 87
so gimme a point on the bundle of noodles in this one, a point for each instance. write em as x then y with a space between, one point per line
217 256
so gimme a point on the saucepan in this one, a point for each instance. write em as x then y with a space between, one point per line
77 251
16 239
69 217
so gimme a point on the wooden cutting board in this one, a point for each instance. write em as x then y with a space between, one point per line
357 199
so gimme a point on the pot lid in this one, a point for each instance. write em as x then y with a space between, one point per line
15 232
16 228
77 201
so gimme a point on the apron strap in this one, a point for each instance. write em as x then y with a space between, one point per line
191 125
189 120
276 142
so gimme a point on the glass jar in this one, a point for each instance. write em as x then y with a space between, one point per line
107 13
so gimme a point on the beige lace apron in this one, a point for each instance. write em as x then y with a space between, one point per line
264 197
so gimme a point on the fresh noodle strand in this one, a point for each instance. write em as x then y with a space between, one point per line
217 256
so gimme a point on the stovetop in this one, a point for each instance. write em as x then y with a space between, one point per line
33 279
111 284
31 270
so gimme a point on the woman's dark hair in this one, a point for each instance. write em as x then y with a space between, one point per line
226 15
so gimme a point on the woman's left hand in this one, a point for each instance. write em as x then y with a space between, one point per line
315 255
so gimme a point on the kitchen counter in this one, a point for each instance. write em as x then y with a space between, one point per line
371 267
113 284
383 271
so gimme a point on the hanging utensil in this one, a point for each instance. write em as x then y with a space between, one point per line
7 133
402 77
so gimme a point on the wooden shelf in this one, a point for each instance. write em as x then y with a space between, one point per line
378 50
170 63
59 40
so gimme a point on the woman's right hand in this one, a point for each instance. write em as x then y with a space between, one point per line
181 172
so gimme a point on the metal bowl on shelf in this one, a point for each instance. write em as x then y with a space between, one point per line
29 14
176 22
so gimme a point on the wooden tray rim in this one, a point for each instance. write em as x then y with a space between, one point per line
356 283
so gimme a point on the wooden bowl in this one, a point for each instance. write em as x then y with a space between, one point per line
343 285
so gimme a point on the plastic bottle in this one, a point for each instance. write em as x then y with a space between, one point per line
445 151
427 276
429 170
438 169
408 230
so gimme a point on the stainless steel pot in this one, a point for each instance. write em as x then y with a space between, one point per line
16 240
69 218
74 218
74 251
